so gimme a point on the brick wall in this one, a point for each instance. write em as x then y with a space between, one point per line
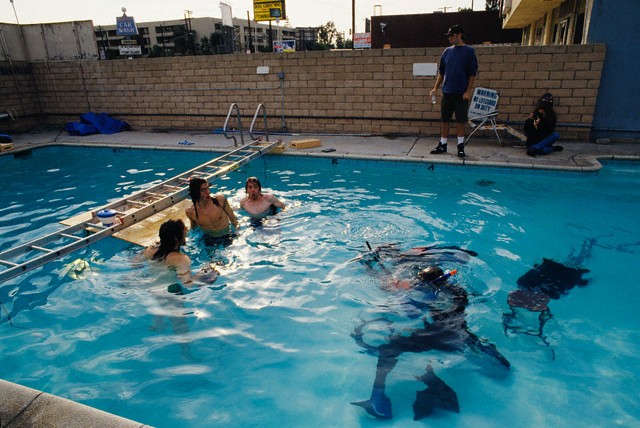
365 91
18 94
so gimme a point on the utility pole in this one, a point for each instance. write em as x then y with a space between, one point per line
353 23
187 24
444 9
164 47
250 37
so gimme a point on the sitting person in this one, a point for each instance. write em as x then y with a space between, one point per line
256 203
212 214
173 235
540 128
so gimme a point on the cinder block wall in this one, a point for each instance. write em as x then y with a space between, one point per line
364 91
18 95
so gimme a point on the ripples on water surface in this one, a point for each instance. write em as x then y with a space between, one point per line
270 342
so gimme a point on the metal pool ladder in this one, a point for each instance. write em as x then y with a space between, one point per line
129 210
234 108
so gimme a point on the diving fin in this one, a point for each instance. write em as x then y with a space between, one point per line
378 405
437 395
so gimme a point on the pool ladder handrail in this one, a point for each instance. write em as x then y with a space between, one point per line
233 107
129 210
10 114
255 116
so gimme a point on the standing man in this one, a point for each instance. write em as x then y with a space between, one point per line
458 68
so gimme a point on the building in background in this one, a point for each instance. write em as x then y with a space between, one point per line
185 37
306 38
615 24
547 22
427 30
47 42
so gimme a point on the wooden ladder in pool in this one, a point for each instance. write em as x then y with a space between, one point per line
129 210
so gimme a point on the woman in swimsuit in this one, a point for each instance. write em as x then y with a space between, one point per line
173 235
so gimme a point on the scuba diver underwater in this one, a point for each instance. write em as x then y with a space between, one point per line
441 305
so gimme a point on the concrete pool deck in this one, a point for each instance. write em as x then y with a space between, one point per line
576 156
24 407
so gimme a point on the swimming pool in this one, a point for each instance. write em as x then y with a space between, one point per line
270 342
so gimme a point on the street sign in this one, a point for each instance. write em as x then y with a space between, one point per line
126 26
268 10
129 50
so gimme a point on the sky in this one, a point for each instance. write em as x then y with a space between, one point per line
301 13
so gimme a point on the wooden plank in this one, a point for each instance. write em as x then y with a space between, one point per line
305 144
77 219
145 232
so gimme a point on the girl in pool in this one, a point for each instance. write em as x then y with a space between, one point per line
173 235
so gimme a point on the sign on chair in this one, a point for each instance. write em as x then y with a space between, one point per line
483 110
484 102
482 114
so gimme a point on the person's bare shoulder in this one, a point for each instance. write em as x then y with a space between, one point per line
149 252
275 201
178 260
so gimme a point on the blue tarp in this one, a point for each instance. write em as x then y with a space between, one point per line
104 123
92 123
77 128
4 138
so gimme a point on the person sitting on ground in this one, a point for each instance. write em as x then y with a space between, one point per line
259 204
540 128
212 214
173 235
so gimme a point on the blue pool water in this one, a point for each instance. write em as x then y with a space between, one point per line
269 344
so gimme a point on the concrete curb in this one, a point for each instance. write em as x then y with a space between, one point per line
25 407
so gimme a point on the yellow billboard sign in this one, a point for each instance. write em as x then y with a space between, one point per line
268 10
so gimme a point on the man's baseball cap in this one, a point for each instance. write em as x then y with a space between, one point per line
454 29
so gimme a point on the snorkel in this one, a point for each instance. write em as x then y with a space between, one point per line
448 274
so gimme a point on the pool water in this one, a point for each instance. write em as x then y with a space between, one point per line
270 342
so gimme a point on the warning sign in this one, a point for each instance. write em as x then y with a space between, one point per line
483 102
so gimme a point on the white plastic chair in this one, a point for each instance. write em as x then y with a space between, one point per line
483 111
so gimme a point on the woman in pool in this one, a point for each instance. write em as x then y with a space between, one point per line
173 235
256 203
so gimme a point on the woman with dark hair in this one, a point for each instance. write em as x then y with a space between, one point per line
212 214
173 235
540 128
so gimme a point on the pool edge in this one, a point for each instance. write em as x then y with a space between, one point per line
21 406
